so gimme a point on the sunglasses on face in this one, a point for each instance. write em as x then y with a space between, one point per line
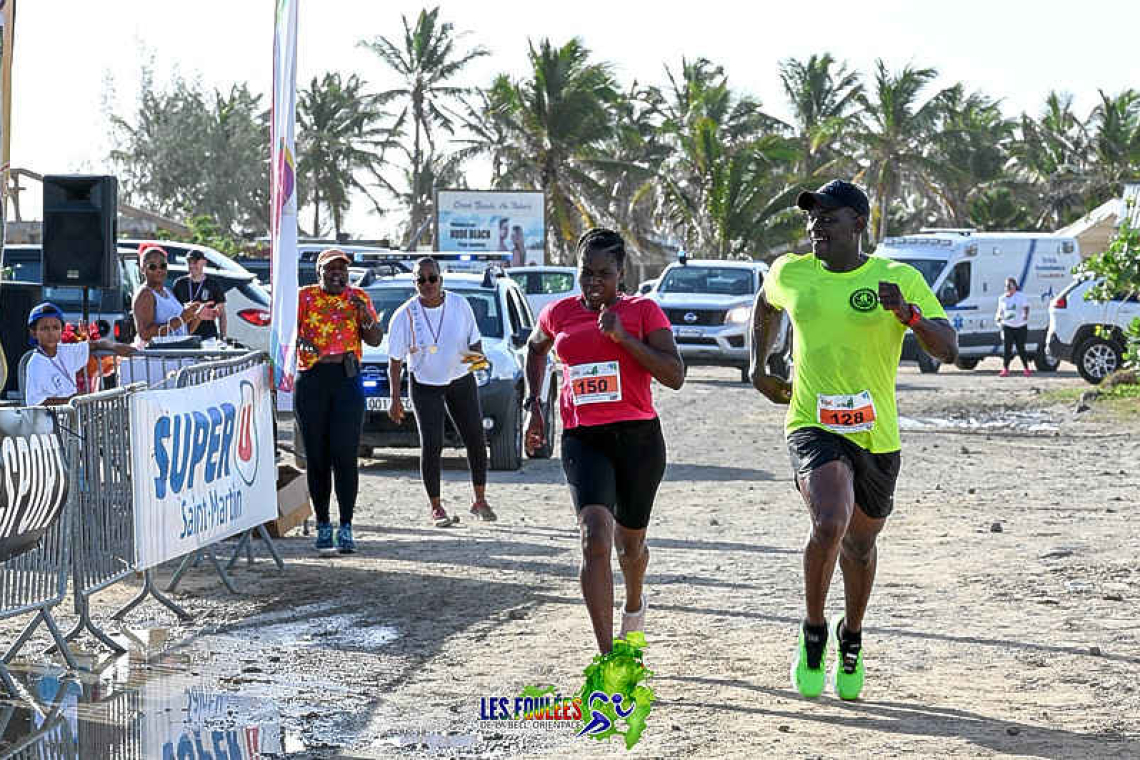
432 278
156 265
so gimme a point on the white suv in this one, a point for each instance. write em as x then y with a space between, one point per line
1073 334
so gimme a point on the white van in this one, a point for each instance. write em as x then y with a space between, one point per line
967 269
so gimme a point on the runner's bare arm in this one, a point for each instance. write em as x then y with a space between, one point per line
765 330
537 348
657 353
935 336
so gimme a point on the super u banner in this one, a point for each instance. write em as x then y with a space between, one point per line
283 202
202 459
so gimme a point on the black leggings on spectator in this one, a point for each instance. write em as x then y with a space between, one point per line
1014 335
461 398
329 408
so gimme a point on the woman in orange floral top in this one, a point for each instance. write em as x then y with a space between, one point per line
332 321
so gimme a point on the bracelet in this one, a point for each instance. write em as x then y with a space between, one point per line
531 401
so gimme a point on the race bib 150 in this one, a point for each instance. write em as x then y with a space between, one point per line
595 383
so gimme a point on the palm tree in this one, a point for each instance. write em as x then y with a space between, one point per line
824 96
427 61
1051 156
967 152
1114 142
728 200
340 136
556 120
897 125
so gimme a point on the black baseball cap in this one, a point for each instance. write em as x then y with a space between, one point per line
194 255
836 194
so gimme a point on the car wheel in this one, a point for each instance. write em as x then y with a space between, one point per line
1096 359
779 365
506 442
1045 362
962 363
549 417
927 364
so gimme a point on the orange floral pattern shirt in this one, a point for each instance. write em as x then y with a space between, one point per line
327 324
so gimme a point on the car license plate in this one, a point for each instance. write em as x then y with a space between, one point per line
690 332
381 404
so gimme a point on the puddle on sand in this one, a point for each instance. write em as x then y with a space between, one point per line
139 707
1023 422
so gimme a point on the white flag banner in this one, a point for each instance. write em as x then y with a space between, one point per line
203 464
283 200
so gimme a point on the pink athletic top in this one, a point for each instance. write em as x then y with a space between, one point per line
601 381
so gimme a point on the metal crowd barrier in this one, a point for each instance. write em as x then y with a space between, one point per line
200 374
51 737
36 581
156 366
103 550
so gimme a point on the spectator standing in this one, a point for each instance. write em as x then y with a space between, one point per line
436 333
51 372
332 321
1013 316
159 316
199 287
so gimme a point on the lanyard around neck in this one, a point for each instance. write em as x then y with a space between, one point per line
56 365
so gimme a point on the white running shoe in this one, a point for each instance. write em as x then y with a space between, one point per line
634 621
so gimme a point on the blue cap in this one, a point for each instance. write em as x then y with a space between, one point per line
45 309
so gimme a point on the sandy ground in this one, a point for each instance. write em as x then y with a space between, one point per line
1003 623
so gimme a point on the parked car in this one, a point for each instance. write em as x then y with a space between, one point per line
307 272
505 322
1073 334
709 304
543 285
247 302
108 308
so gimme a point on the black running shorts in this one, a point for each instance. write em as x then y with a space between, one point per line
875 474
618 466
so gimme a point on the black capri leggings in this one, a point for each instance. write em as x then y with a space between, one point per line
461 397
1015 335
618 466
329 409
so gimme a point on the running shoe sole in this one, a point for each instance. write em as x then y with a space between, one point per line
484 513
808 682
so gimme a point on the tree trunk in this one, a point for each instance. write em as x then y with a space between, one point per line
316 212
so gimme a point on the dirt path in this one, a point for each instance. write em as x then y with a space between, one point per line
1004 620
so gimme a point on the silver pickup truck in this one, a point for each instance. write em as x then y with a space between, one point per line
709 304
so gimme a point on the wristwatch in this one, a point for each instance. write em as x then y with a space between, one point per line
530 401
915 315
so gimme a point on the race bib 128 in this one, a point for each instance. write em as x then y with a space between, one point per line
846 413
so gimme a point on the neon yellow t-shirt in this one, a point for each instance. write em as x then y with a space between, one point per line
846 346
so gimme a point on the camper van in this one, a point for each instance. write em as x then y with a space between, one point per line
967 269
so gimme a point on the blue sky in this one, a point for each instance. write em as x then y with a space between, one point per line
68 51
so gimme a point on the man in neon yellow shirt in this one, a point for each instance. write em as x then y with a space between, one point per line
849 313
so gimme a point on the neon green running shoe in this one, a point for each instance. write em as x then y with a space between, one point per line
809 681
848 665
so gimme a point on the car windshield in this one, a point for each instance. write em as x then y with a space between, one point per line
484 303
718 280
928 268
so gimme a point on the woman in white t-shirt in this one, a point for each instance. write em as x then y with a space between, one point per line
436 333
1013 316
50 377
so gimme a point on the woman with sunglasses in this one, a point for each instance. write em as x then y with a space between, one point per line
159 316
333 319
613 452
436 333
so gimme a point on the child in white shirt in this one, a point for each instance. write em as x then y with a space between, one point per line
50 376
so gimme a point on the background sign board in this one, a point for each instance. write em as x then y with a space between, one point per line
492 221
33 478
203 464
